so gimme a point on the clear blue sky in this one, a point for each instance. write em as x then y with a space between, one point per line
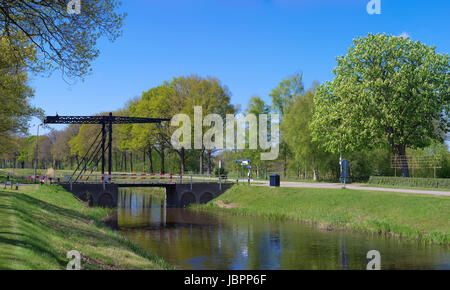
250 45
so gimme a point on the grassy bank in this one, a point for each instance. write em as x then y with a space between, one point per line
40 224
409 216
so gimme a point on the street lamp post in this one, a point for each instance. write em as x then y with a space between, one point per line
36 161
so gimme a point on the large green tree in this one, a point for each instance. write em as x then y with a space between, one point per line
214 98
257 106
154 103
387 91
297 133
283 96
15 93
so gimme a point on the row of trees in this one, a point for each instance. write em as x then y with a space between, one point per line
389 100
37 37
390 97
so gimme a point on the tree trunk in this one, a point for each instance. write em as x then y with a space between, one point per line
265 170
181 155
400 150
124 156
208 152
285 161
315 173
143 157
150 160
161 156
202 151
131 161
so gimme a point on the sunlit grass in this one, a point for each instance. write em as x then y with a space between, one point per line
40 224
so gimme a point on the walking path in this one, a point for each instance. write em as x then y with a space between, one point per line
351 186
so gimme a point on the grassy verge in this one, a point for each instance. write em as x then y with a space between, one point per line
415 216
40 224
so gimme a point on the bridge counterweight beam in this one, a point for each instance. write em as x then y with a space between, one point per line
103 151
110 149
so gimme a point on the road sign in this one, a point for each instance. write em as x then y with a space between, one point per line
345 166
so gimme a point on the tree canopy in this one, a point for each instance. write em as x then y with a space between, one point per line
387 91
15 93
65 41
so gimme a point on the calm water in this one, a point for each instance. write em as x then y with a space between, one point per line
192 240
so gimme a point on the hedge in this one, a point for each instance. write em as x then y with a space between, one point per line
411 182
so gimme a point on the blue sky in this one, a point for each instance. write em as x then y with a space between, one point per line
250 45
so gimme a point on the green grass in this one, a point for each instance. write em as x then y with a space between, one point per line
40 224
408 216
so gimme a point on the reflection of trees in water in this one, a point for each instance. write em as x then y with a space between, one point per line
204 241
343 252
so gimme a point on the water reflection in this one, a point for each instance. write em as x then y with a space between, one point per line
193 240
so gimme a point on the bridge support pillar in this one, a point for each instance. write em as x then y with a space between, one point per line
105 195
171 196
181 195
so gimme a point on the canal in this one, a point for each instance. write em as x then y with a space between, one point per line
192 240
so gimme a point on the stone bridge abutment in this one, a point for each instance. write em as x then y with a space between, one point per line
177 195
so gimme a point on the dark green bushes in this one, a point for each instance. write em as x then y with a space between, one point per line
411 182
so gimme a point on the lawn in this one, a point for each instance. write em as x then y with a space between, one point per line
40 224
402 215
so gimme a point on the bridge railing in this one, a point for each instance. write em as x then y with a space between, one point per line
147 178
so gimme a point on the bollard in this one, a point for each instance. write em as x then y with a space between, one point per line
191 182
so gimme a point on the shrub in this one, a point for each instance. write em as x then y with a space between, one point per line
411 182
220 171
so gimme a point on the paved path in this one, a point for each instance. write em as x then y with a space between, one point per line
351 186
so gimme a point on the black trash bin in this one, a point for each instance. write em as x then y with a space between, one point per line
275 180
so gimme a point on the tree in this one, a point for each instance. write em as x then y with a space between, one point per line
15 93
257 106
155 103
387 91
28 152
63 40
61 149
283 96
213 98
297 133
